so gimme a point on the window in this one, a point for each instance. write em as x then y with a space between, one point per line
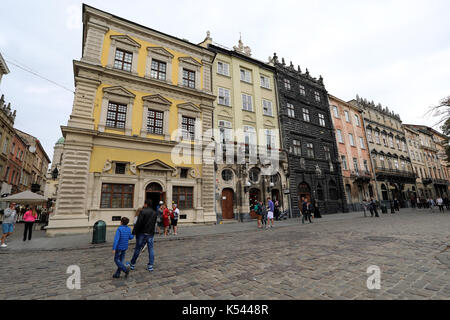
347 118
13 147
396 163
224 96
382 162
287 84
225 131
247 102
339 136
253 175
327 152
344 162
317 96
265 82
188 127
291 111
335 112
391 142
377 137
305 114
355 165
270 139
117 195
296 147
227 175
366 166
183 197
246 75
249 138
116 116
383 136
404 146
321 119
369 135
184 173
267 107
123 60
223 68
361 143
120 168
155 120
302 90
357 120
310 150
6 173
352 142
188 78
158 70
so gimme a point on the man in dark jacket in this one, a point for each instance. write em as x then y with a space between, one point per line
145 231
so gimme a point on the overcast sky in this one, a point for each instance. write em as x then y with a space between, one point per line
396 53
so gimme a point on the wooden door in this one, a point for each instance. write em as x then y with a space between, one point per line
227 204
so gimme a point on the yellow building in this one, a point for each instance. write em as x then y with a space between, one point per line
135 87
246 118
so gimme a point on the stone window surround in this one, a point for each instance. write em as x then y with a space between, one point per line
192 65
119 179
124 98
123 43
158 105
160 54
189 110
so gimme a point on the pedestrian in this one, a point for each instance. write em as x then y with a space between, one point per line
446 202
166 220
374 208
364 207
440 204
9 221
160 211
258 212
145 232
120 247
370 207
263 213
418 203
317 209
29 218
304 211
276 211
309 211
396 205
270 212
175 215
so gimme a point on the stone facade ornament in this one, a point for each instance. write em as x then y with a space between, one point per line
175 172
133 167
302 163
318 170
107 166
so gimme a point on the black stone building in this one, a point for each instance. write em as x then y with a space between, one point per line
307 133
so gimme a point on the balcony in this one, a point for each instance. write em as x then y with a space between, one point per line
362 176
386 173
440 181
426 181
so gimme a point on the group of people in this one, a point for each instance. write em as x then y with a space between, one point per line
265 214
429 203
309 211
10 217
370 206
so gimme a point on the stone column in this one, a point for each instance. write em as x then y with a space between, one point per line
93 43
83 104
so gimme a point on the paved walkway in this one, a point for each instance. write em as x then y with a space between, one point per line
40 241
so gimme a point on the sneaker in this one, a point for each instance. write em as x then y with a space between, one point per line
150 268
127 272
130 265
4 245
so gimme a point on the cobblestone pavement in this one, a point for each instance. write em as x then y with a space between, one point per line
311 261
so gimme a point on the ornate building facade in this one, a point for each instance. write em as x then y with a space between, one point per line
246 118
421 189
308 135
135 87
354 154
389 152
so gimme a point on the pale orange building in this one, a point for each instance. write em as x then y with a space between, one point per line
353 152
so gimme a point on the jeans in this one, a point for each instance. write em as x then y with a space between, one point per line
141 239
119 258
28 229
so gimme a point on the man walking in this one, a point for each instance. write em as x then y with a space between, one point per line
145 232
373 205
440 204
271 206
9 220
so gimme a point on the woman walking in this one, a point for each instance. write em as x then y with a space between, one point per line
166 220
29 217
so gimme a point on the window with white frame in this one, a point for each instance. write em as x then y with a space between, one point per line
246 75
291 110
225 129
287 84
369 135
310 150
223 68
317 96
249 138
322 119
361 143
358 123
377 137
247 103
396 163
265 82
305 114
344 162
302 89
224 96
327 152
339 136
352 142
270 139
267 107
391 142
296 147
335 112
123 60
347 118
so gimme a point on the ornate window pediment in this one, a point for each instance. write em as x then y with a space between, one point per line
189 106
157 99
190 61
124 39
160 51
156 165
119 91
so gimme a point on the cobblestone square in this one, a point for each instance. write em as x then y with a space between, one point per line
327 259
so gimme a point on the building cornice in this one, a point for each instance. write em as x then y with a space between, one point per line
3 66
383 125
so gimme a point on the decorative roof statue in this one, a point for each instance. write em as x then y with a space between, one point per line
291 66
282 62
321 79
307 72
242 49
275 57
298 69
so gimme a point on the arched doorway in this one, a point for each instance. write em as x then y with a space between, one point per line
227 203
304 191
154 192
384 192
254 197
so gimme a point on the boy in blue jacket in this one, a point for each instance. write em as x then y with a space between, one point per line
120 246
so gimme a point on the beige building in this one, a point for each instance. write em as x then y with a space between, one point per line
51 189
246 116
143 102
389 153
